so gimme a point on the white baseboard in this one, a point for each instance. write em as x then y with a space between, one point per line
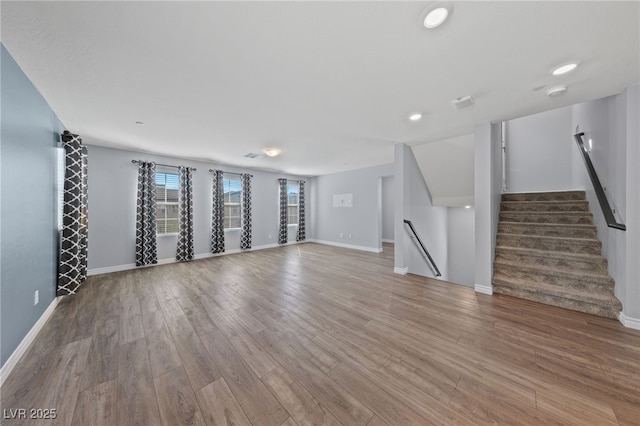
484 289
129 266
629 322
388 241
349 246
27 341
401 271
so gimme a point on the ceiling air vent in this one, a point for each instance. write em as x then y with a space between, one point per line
463 102
250 155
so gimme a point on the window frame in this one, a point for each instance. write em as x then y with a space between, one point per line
230 204
296 205
165 203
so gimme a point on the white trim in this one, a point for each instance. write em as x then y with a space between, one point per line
129 266
384 240
629 322
484 289
349 246
401 271
109 269
27 341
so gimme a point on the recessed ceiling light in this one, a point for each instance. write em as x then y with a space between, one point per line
467 207
563 69
415 116
555 91
272 152
436 14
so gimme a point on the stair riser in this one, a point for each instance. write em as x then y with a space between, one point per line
547 231
546 196
551 262
577 219
589 286
548 243
589 308
577 206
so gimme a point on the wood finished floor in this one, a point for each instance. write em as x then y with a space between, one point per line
311 334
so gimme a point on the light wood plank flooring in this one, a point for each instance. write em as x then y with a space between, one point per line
311 334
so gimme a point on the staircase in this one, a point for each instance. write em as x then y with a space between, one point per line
547 251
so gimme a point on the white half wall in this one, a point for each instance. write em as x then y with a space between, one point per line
488 190
461 245
388 207
447 168
414 203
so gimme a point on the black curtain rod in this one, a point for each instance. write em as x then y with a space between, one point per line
165 165
230 173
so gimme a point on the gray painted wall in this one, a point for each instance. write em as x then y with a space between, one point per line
599 120
539 148
361 221
461 244
414 202
112 207
611 123
388 208
30 131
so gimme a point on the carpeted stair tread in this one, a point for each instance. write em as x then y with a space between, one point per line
544 196
585 284
563 273
602 297
545 206
552 254
601 309
553 259
548 229
578 218
548 251
573 245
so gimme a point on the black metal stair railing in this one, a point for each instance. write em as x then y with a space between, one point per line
432 264
607 211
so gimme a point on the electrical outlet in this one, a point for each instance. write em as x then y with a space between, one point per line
349 236
269 236
341 235
36 297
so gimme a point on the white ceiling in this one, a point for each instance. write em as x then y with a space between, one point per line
331 83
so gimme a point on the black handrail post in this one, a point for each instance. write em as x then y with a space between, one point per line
597 186
433 264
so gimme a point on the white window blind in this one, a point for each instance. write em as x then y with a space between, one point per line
232 199
293 192
167 203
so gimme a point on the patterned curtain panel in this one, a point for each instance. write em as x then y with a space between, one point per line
146 250
184 251
283 233
72 269
245 234
301 235
217 223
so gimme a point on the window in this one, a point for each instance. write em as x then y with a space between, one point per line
292 202
167 203
232 196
